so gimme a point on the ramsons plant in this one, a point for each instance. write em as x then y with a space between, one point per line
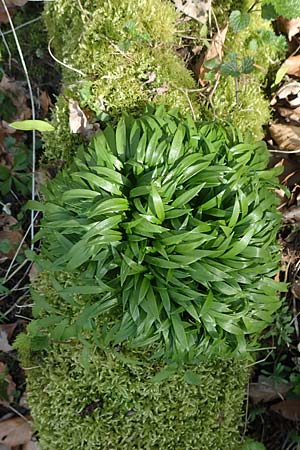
171 222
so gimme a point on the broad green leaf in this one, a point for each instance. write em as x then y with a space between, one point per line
29 125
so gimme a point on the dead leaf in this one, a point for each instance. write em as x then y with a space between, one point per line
4 344
13 236
17 94
196 9
289 409
214 51
290 114
8 387
9 329
265 390
77 119
15 431
45 102
292 214
292 65
290 93
287 137
291 27
162 89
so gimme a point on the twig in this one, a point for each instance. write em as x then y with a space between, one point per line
261 360
7 49
23 25
62 63
33 115
283 151
19 247
189 102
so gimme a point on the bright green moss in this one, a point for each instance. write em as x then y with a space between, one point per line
134 413
125 51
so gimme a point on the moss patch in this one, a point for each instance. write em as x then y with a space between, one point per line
130 412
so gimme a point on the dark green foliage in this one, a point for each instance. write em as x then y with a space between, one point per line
114 405
286 8
172 221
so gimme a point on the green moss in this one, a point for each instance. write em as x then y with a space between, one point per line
125 51
62 144
134 413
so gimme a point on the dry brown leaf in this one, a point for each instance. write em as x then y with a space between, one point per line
265 390
214 51
45 101
290 93
15 431
290 409
4 344
196 9
289 26
10 386
13 236
292 65
17 94
289 113
77 119
287 137
9 329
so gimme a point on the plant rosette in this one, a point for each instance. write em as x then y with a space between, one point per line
170 223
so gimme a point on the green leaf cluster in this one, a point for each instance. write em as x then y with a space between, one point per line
173 223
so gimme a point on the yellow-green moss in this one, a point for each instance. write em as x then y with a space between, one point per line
133 413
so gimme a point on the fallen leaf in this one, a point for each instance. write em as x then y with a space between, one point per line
289 409
15 431
4 344
292 65
265 390
77 119
3 16
17 94
291 27
45 102
215 51
196 9
9 329
7 386
6 233
162 89
287 137
292 214
290 93
290 114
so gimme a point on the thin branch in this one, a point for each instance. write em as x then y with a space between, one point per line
62 63
19 247
7 49
36 19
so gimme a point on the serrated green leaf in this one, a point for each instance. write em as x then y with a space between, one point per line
239 20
